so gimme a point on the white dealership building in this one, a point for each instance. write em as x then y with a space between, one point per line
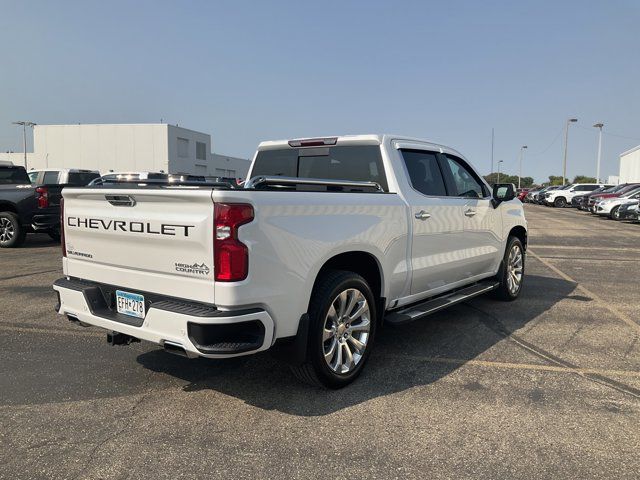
630 165
127 147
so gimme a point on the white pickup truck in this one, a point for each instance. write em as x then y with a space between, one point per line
329 238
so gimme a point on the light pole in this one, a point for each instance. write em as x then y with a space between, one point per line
566 139
24 137
599 127
522 149
499 162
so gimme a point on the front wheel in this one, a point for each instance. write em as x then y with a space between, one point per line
615 213
511 273
342 326
560 202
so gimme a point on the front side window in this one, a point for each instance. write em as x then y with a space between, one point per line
50 177
424 172
465 183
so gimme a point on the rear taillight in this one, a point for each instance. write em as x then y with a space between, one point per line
231 256
62 242
42 195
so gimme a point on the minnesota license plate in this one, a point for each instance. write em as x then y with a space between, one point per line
130 304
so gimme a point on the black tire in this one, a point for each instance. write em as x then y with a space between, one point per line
12 234
504 292
614 214
315 371
560 202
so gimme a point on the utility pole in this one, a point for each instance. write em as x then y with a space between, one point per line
566 140
499 162
24 137
599 127
522 149
492 143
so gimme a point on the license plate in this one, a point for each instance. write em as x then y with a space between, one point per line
130 304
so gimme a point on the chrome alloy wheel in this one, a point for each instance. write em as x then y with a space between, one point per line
6 230
346 331
514 269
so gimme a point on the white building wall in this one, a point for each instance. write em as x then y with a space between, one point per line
126 147
630 166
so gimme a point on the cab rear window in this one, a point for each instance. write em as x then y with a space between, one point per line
361 163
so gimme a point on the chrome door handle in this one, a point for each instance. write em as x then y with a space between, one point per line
422 215
470 213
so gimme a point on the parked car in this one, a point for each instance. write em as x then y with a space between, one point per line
530 194
25 207
562 197
628 210
521 193
539 196
329 237
621 190
62 176
610 207
580 201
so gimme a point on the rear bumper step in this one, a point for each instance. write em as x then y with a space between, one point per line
181 326
432 305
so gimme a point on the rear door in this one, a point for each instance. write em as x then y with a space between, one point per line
437 224
156 240
482 223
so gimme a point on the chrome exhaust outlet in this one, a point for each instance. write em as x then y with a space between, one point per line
175 348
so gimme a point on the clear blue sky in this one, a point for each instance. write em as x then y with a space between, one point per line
249 71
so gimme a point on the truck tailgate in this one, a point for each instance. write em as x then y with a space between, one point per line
152 240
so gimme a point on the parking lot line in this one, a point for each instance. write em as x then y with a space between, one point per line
621 315
522 366
580 248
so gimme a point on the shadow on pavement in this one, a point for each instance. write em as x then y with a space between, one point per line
399 361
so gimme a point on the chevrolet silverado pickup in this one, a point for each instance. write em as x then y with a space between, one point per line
25 207
329 239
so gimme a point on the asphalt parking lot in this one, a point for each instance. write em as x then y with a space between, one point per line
544 387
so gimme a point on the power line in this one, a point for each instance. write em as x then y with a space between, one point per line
605 132
550 145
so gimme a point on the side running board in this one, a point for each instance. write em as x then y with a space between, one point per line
420 310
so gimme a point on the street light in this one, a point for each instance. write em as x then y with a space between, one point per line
599 127
499 162
522 149
566 139
24 137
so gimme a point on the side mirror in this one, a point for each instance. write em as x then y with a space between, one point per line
503 192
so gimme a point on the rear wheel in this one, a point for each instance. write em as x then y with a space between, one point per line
11 232
511 274
560 202
342 315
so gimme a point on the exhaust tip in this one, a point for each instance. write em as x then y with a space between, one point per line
175 348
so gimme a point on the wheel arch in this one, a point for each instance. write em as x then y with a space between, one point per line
521 233
8 207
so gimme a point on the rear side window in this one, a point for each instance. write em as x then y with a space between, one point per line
424 172
50 177
33 176
81 178
14 176
362 163
465 181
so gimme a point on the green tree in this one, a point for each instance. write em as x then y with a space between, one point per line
554 180
506 178
583 179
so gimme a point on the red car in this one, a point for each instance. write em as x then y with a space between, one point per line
593 199
522 192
